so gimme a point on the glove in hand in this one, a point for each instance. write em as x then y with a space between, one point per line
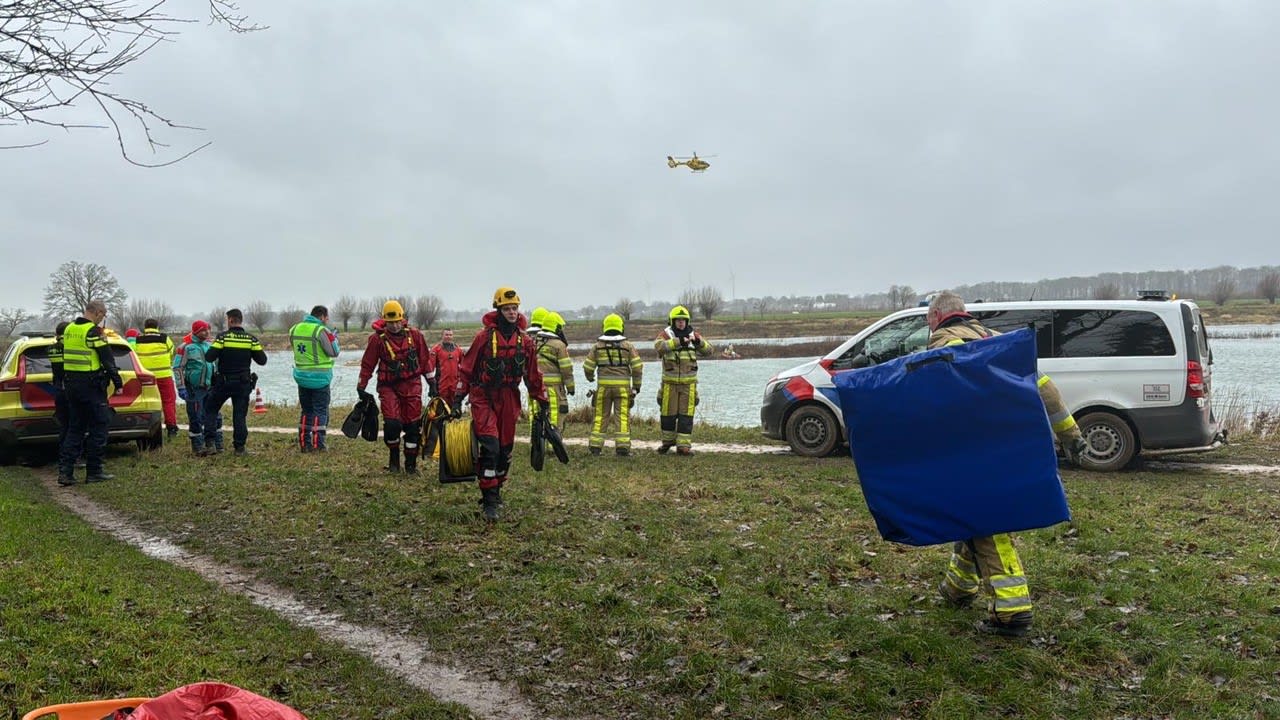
364 394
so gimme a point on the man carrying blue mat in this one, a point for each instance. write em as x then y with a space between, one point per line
990 467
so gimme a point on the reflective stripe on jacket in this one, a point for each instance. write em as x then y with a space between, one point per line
679 361
155 352
616 362
554 361
80 343
314 348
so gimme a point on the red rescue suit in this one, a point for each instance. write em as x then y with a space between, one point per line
213 701
446 362
490 373
401 360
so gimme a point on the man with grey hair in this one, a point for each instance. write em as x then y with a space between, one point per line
993 561
87 367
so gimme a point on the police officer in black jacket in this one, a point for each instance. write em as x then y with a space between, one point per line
233 350
87 367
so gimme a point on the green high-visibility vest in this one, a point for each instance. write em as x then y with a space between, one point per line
304 338
79 351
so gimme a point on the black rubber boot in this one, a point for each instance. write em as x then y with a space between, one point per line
665 447
411 464
1016 626
173 431
622 451
393 459
197 446
66 478
490 501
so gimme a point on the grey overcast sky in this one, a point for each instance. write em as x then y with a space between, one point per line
446 148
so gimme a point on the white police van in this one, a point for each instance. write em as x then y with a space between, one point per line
1135 373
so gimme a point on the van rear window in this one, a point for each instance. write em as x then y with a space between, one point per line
1109 333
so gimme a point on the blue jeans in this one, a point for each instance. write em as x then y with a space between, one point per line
315 417
197 398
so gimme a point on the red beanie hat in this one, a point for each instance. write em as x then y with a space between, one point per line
199 325
132 332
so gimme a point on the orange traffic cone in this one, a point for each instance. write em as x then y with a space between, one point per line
259 407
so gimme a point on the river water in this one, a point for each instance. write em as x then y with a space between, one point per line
1245 368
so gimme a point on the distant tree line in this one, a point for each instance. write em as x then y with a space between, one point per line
74 283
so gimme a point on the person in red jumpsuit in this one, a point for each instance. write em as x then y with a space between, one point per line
445 356
401 357
501 356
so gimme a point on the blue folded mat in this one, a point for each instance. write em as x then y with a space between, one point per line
954 443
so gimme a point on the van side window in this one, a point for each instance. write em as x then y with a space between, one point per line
1109 333
900 337
1003 321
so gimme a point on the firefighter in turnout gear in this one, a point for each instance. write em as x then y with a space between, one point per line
678 347
617 370
500 357
993 562
556 367
87 368
401 357
155 352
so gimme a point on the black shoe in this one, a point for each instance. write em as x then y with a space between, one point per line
173 431
1017 626
66 480
241 452
99 476
411 466
952 601
595 451
664 447
622 452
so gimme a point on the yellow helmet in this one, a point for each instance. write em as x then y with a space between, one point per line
505 296
612 321
678 312
538 315
552 322
392 311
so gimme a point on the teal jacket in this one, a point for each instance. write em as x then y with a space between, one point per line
328 342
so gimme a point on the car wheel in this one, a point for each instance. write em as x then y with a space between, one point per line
812 431
1110 441
8 455
152 442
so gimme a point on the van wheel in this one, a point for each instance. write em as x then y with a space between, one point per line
812 431
1110 440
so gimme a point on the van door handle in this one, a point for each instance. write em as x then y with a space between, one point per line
942 357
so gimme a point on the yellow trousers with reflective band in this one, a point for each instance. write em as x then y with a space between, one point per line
558 406
612 417
997 567
676 402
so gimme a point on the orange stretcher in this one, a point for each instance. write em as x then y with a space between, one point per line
89 710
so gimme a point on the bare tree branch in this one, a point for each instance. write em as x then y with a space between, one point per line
74 284
426 311
625 307
58 54
259 315
11 318
218 318
344 310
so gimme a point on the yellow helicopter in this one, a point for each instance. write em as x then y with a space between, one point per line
695 163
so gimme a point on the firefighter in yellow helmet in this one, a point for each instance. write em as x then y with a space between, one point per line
993 562
679 346
500 358
616 364
536 318
556 366
401 358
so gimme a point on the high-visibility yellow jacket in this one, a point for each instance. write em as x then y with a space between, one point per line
155 351
615 361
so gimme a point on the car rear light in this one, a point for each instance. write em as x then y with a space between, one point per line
1195 379
14 385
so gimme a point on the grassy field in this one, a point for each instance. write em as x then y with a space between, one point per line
653 586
